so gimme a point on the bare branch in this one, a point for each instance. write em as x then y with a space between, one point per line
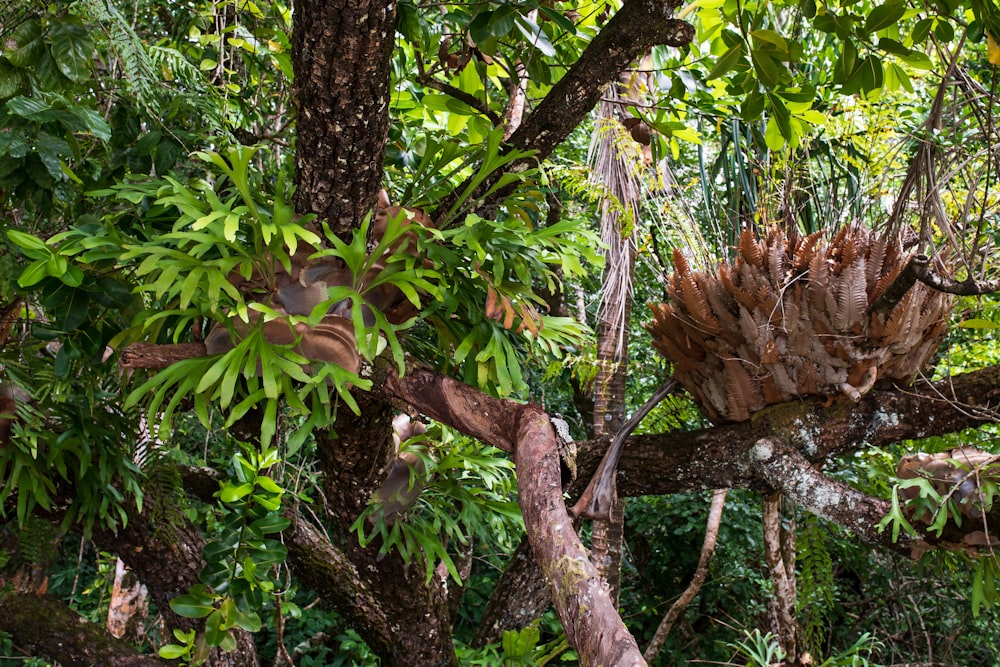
781 564
919 268
787 471
967 287
700 574
637 26
593 626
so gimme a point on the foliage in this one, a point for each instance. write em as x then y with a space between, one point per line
237 578
129 198
468 495
70 437
814 583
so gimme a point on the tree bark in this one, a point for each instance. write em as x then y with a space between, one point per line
47 628
520 596
590 619
341 53
163 548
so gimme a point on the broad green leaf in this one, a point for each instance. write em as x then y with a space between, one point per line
773 137
32 246
534 35
12 80
33 273
768 69
502 20
272 523
728 61
978 323
172 651
230 493
771 37
24 45
72 49
192 606
883 16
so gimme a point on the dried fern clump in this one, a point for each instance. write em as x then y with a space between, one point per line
793 318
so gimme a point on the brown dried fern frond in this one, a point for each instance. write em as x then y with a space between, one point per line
794 318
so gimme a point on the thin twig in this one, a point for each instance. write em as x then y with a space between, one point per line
697 580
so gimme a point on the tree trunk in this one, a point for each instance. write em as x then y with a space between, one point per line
616 173
341 53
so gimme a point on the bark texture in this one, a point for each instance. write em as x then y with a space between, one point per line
341 54
589 617
46 627
163 549
520 596
593 626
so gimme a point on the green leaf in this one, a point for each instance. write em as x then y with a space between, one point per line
72 49
892 46
773 136
32 246
768 69
871 73
502 20
272 523
479 27
192 605
771 37
728 61
230 493
560 19
173 651
978 323
534 35
33 273
846 62
921 31
24 45
884 16
12 80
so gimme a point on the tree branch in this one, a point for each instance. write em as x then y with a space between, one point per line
462 96
705 459
326 570
787 471
717 457
46 627
919 268
636 27
967 287
592 624
700 574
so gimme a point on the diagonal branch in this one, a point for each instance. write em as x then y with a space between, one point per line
46 627
327 570
636 27
789 472
700 574
593 626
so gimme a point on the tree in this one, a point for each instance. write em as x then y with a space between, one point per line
263 298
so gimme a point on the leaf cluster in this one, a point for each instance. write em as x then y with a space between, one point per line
239 564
